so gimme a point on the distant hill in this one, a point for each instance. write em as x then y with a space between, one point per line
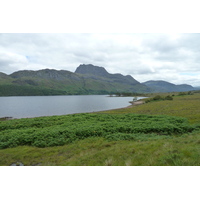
2 75
113 82
163 86
87 79
197 88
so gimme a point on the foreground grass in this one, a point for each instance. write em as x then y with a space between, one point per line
182 151
151 149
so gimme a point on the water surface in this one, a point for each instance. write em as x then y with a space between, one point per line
36 106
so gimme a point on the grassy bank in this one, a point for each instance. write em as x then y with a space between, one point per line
187 106
156 133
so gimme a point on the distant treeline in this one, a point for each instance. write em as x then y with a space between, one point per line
126 94
15 90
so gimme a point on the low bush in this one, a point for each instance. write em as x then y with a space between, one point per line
61 130
158 98
168 98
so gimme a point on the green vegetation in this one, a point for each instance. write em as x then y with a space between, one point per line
53 82
159 98
16 90
56 131
162 97
156 133
187 106
100 152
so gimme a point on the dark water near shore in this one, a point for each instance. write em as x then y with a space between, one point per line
36 106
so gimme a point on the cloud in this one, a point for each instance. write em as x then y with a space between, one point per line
144 56
11 61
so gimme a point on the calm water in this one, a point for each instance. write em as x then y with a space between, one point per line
35 106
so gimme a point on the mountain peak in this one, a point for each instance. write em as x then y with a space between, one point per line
99 73
91 69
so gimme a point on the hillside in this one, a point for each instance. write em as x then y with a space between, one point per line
42 82
111 82
99 73
163 86
87 79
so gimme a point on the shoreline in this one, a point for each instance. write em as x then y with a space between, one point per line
133 104
5 118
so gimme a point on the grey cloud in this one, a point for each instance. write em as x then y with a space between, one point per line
160 43
145 56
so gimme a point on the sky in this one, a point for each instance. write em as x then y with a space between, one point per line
172 57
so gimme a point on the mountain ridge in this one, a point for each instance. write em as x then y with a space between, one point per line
87 79
164 86
92 71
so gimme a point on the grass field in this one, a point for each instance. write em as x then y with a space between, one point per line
158 133
187 106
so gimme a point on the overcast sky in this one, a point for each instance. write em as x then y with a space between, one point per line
170 57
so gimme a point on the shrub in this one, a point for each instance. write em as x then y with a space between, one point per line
66 129
157 97
168 98
182 93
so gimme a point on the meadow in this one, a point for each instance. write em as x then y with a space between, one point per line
157 133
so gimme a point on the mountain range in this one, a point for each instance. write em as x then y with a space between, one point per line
87 79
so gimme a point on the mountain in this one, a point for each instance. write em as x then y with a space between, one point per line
197 88
2 75
92 70
112 83
116 82
163 86
48 74
87 79
99 73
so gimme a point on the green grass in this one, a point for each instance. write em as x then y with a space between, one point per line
182 151
183 106
159 133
